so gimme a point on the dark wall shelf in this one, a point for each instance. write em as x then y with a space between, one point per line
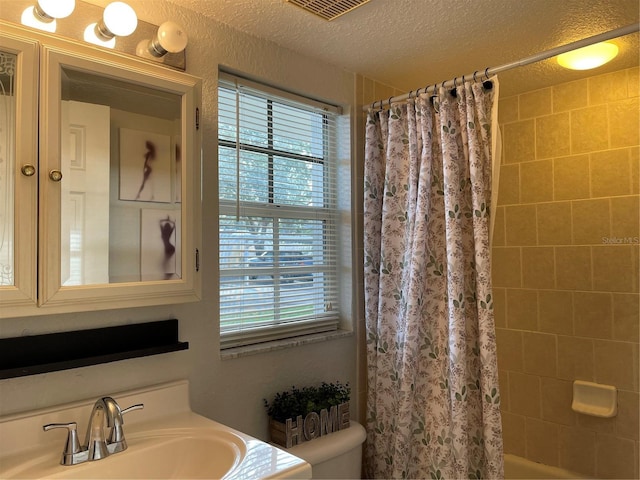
30 355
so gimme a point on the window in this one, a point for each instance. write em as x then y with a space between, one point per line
277 192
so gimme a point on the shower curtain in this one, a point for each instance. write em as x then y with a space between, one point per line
433 403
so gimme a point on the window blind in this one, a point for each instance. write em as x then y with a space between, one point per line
277 214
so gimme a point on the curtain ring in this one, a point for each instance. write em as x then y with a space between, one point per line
410 92
390 101
455 82
462 79
474 76
486 73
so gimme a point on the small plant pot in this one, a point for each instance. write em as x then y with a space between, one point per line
295 431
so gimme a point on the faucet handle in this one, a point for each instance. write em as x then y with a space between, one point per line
72 447
138 406
116 441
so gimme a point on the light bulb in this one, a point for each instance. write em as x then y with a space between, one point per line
588 57
30 19
120 19
170 38
91 36
55 8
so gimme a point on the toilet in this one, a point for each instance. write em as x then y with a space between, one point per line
337 455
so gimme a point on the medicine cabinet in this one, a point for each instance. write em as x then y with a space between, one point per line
99 178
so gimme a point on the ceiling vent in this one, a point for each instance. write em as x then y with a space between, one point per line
328 9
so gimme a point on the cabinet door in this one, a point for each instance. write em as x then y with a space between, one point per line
119 186
18 172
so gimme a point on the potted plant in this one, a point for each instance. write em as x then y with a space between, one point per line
299 415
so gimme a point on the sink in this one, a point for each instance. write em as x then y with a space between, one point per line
168 441
176 453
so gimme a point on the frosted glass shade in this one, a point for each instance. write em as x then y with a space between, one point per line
57 8
588 57
120 19
172 37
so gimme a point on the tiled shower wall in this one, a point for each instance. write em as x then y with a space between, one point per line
565 271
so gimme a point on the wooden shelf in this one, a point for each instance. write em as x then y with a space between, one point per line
30 355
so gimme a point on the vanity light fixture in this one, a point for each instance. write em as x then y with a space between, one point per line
44 13
588 57
170 38
118 19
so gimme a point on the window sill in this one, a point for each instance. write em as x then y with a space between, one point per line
265 347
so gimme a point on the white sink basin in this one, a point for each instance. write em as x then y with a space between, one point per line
170 442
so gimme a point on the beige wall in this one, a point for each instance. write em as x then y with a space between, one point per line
229 390
565 271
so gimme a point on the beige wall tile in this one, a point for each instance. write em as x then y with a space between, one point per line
577 450
625 218
571 177
608 88
626 317
573 268
500 307
571 95
634 155
610 173
536 181
597 424
589 130
522 309
540 353
627 420
615 457
498 238
613 268
508 110
542 441
524 394
554 223
557 396
503 381
509 185
575 358
633 89
590 220
513 427
519 142
614 364
555 311
521 225
535 104
552 135
505 267
624 123
592 314
538 267
509 347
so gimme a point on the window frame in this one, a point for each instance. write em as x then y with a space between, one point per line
231 337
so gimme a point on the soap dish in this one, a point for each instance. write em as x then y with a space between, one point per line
594 399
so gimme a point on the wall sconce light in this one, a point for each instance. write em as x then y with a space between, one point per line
44 13
170 38
588 57
118 19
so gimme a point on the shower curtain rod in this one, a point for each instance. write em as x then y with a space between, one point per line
489 71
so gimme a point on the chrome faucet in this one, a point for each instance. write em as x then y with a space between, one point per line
105 435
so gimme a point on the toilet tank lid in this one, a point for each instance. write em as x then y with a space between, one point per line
330 446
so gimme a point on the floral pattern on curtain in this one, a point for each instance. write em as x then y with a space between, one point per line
433 402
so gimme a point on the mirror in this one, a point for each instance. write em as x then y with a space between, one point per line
7 165
121 181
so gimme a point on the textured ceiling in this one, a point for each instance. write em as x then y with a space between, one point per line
413 43
409 44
